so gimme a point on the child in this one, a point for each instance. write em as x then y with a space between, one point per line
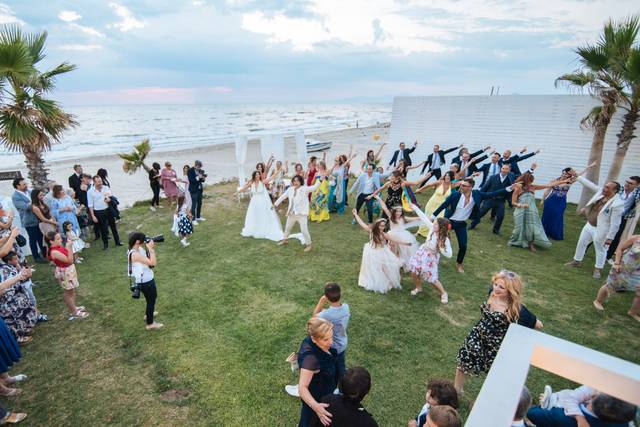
439 392
77 243
424 263
583 407
443 416
521 410
338 314
12 263
65 272
185 226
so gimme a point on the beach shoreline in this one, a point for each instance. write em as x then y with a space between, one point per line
218 160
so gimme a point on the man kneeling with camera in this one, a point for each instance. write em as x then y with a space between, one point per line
141 263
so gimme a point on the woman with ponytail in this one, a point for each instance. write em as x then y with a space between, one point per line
424 264
317 361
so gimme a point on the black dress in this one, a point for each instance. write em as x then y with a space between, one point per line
481 346
394 197
313 358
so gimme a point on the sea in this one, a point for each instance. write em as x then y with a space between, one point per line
115 129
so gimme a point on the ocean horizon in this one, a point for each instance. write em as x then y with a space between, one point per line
104 130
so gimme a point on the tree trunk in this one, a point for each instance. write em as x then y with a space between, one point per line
35 165
595 155
624 140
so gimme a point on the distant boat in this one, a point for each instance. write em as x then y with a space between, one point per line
314 146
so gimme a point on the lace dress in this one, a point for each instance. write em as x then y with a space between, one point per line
379 269
262 221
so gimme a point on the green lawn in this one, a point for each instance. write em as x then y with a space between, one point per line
235 307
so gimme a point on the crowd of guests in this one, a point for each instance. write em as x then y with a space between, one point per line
467 191
59 222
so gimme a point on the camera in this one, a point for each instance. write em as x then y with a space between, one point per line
135 290
156 239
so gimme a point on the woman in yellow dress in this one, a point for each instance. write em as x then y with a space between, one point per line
319 204
444 186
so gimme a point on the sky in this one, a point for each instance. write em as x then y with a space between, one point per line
308 51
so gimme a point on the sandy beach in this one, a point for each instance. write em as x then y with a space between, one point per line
218 160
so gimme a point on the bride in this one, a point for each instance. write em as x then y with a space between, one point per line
262 221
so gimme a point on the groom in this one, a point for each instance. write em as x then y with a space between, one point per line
298 209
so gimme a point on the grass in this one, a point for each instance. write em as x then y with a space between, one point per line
234 308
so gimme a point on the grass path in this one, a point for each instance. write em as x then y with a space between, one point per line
234 308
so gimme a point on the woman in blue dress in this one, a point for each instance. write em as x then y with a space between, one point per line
338 189
555 202
317 362
9 354
64 209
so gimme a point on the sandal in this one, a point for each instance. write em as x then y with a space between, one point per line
17 378
24 340
13 418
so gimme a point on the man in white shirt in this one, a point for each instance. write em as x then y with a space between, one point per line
298 210
98 199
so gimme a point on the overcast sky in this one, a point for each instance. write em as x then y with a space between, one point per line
270 51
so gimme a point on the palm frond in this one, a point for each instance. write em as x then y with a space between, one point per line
35 44
135 160
589 121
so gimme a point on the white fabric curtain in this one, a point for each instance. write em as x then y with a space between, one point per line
272 145
278 147
241 158
301 148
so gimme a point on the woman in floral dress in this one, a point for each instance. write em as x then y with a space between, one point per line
319 204
16 309
624 276
503 307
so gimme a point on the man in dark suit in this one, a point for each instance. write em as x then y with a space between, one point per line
489 169
75 181
459 207
469 164
507 158
196 178
497 182
435 161
403 154
458 158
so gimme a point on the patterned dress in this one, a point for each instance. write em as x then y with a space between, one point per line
185 226
481 346
319 206
438 198
628 277
16 308
527 225
5 232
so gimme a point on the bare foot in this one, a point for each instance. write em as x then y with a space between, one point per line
532 247
283 242
307 248
634 315
598 305
459 268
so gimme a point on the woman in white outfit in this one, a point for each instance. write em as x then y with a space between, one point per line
380 267
298 210
261 221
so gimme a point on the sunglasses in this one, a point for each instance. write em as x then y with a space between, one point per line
509 274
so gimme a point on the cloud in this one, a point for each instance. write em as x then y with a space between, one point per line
7 16
87 30
69 16
128 21
80 47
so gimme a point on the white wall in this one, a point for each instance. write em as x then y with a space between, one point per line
548 122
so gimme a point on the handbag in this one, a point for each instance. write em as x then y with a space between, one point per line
21 240
45 227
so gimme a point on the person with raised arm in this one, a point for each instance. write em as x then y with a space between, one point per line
436 160
403 153
298 210
507 158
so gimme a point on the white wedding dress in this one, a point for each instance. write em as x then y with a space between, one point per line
379 269
262 221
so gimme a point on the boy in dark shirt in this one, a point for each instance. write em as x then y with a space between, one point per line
345 408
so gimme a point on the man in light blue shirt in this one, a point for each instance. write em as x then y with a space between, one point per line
365 185
338 314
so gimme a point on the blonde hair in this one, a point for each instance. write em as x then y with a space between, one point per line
319 328
513 285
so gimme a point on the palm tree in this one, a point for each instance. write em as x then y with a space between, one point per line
29 122
631 75
598 74
135 160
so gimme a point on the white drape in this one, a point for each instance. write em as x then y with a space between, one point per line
272 145
241 157
301 147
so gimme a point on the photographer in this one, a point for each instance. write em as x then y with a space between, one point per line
141 261
196 177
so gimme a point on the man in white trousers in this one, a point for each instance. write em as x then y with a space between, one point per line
298 210
603 212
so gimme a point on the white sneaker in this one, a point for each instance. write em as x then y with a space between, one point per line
152 208
444 298
415 292
292 390
184 242
201 219
545 399
194 222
